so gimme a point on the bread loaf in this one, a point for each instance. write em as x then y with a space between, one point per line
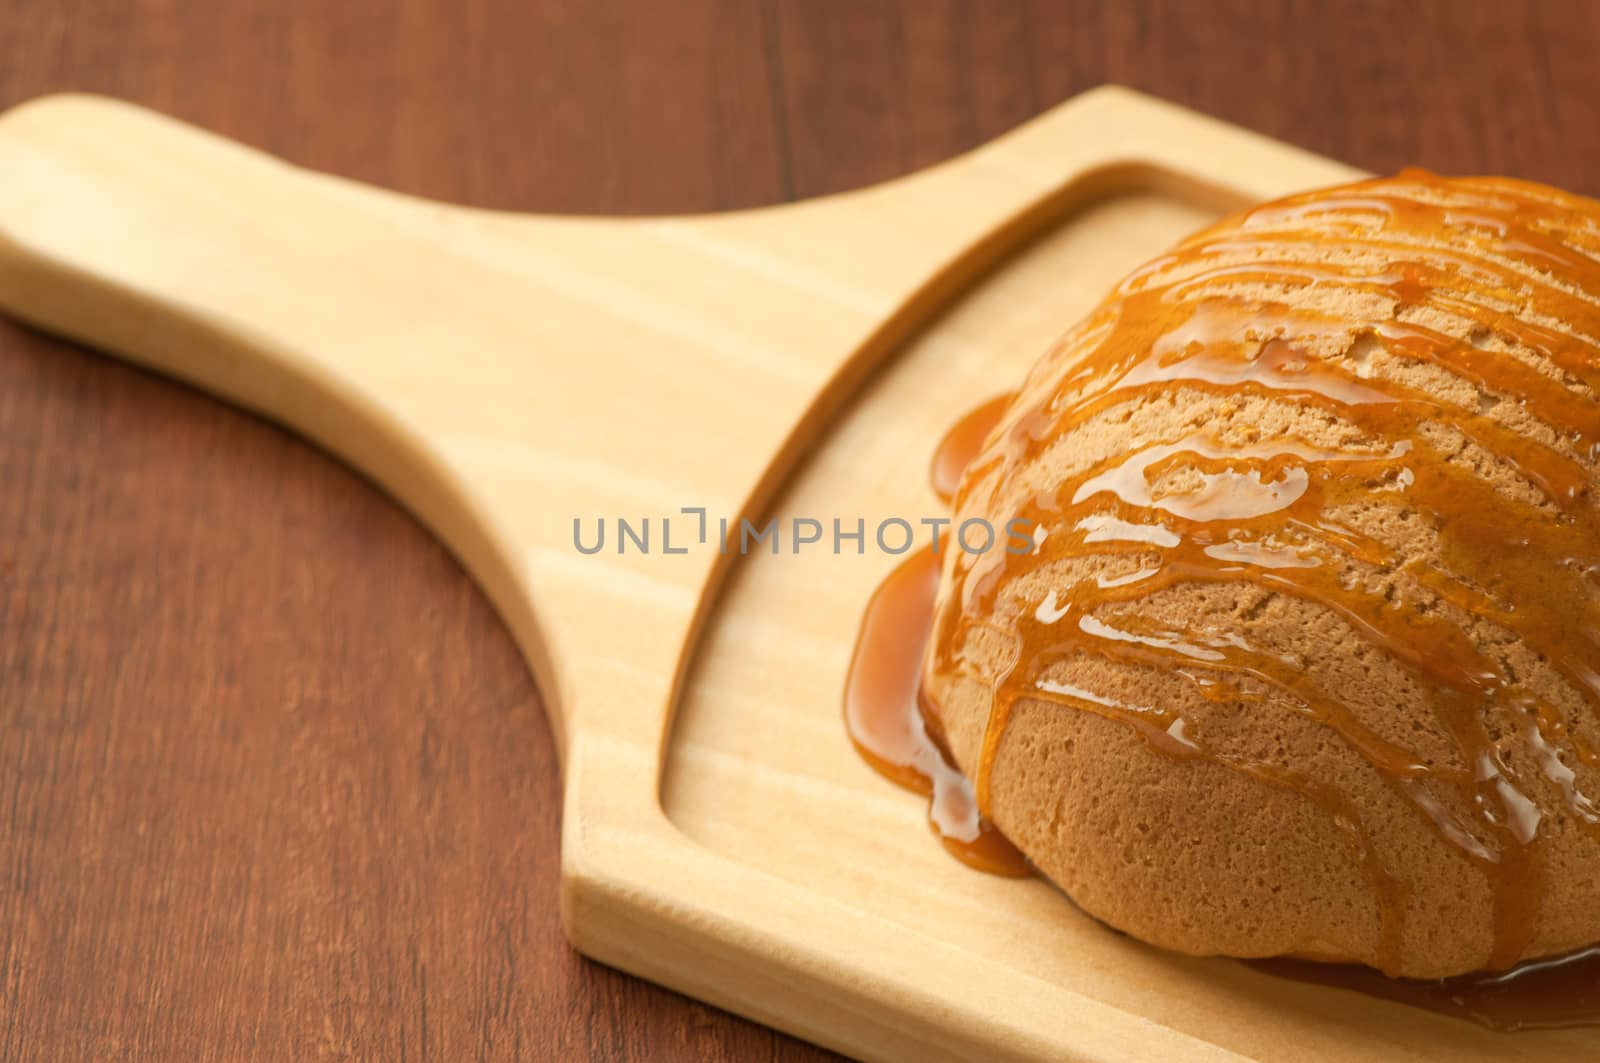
1305 656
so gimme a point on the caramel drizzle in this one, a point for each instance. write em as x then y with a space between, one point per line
1268 512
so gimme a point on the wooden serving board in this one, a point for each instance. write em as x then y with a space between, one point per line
502 375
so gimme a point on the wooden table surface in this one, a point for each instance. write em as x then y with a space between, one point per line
273 779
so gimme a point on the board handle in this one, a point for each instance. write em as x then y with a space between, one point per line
304 297
136 233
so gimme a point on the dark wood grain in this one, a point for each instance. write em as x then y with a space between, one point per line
273 781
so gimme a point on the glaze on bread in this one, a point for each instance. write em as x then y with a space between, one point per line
1306 657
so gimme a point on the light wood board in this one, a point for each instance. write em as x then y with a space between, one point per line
502 375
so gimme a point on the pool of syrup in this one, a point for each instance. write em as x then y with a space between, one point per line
884 710
1537 995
